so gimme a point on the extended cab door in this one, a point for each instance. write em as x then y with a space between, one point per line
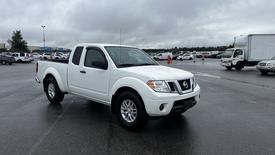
91 78
238 56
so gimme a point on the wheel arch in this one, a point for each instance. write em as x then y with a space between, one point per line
51 72
119 91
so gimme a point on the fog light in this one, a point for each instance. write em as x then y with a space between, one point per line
161 107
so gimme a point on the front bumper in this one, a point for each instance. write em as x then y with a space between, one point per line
226 64
171 102
266 68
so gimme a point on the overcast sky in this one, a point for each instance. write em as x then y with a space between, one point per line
143 23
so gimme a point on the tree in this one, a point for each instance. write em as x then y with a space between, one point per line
17 42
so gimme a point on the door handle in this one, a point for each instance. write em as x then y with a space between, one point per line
83 72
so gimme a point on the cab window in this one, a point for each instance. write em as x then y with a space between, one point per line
77 55
238 52
95 58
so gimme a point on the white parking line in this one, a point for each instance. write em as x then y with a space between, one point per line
207 75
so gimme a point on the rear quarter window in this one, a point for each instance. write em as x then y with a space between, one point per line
77 55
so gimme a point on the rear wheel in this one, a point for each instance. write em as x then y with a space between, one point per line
130 111
52 91
20 61
264 72
10 63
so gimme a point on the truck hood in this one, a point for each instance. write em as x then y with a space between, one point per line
158 72
268 61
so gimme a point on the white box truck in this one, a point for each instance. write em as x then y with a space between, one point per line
249 50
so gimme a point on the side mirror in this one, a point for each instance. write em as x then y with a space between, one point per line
100 64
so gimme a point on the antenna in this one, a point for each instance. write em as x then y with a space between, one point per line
120 36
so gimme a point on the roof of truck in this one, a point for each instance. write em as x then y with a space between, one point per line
103 45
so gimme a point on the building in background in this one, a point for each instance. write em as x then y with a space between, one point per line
2 45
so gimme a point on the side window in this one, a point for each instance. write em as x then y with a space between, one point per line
22 54
95 58
238 52
77 55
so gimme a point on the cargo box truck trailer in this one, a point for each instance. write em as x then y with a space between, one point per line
249 50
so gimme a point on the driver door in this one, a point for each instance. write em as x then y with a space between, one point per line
237 56
95 74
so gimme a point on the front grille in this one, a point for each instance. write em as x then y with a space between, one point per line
185 84
262 64
172 86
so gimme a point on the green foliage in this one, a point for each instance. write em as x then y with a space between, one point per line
190 49
17 43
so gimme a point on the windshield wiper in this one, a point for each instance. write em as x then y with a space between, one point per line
130 65
126 65
145 64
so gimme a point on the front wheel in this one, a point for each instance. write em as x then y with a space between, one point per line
3 62
264 72
228 67
53 92
131 112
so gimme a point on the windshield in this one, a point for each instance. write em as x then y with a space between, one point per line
273 58
227 53
128 56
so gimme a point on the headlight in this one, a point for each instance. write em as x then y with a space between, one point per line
158 86
269 64
194 83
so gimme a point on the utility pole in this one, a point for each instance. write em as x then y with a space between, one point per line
44 40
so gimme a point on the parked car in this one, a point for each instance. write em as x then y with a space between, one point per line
186 57
123 77
58 55
163 56
46 56
21 57
6 59
36 55
266 66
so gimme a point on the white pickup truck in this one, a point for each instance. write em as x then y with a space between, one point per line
134 85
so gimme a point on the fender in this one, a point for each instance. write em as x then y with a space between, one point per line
131 82
56 75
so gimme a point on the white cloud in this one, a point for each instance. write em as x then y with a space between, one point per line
145 23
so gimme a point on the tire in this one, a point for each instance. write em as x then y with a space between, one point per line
238 68
136 109
228 67
19 61
52 91
264 72
10 63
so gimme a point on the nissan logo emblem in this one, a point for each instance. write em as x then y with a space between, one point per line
185 85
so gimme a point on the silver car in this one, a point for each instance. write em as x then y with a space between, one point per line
266 66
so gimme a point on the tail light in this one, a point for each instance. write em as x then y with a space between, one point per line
36 68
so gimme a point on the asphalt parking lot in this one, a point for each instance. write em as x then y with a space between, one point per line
236 115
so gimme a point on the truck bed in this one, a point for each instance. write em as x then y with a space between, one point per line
58 68
66 61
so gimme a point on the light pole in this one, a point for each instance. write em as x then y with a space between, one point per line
43 27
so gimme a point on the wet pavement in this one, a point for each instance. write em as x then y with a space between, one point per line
236 115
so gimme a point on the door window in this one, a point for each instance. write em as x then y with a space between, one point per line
95 58
238 52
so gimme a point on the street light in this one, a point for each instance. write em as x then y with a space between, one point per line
43 27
